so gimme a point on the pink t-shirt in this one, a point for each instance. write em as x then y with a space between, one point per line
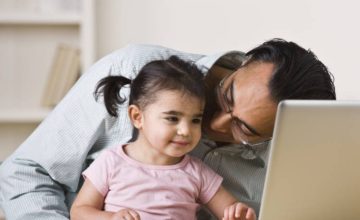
155 192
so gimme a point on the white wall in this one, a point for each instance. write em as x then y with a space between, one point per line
329 28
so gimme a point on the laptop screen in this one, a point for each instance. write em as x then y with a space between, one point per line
314 162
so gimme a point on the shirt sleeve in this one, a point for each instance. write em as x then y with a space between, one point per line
99 172
210 183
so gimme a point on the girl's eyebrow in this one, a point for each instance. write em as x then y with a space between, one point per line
177 113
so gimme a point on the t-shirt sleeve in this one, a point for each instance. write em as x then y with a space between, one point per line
210 183
99 172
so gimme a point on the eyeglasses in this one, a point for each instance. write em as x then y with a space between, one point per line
236 125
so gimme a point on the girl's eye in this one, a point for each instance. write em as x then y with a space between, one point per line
196 121
172 119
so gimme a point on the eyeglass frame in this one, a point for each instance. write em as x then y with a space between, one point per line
224 104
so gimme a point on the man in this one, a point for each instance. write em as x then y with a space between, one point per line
40 179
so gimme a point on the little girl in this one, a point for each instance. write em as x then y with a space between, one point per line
153 177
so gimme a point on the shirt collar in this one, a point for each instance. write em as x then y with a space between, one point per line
259 154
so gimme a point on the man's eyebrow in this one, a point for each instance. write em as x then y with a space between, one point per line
250 128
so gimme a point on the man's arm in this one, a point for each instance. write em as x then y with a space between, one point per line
28 192
35 178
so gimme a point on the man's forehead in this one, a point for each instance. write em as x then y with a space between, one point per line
252 99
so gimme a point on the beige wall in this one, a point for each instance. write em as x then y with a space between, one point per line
330 28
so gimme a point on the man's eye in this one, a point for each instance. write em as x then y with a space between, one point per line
246 130
196 121
228 95
172 119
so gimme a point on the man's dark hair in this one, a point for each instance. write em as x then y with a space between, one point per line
298 73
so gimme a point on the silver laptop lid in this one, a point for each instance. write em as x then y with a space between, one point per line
314 162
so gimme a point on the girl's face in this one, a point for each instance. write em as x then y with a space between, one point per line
171 126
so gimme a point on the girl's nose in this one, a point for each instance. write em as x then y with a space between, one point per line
183 129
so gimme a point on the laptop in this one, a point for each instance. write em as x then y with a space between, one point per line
314 162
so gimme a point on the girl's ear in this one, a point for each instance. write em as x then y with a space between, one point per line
135 115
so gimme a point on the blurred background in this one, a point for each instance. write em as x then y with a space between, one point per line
32 31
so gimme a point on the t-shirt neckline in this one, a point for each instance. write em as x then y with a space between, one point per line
120 151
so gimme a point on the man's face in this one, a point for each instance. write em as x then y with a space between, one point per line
246 92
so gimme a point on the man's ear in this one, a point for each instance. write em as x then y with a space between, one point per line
135 115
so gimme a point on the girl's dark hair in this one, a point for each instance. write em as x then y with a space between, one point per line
298 73
172 74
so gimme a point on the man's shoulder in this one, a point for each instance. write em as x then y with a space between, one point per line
132 57
149 50
142 47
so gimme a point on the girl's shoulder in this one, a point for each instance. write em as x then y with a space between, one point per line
111 154
196 164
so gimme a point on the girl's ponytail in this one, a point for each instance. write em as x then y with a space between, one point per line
110 87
